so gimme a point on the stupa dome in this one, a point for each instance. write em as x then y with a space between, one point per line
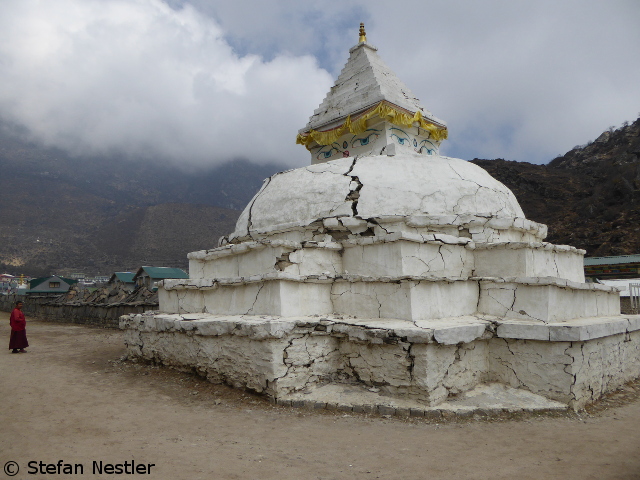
376 169
402 188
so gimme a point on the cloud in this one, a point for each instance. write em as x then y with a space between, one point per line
520 80
139 78
201 82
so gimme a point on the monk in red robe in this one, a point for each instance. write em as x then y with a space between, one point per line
18 341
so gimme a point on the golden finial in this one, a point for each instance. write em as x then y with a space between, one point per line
363 34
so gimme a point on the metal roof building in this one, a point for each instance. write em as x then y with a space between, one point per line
621 266
53 284
150 276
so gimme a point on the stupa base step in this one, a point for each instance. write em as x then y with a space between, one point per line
485 400
417 298
423 362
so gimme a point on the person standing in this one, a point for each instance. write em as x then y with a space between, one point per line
18 341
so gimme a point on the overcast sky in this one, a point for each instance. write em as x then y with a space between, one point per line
201 81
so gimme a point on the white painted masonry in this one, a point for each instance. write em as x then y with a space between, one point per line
414 275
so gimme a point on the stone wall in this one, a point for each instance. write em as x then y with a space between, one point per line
625 306
57 308
427 362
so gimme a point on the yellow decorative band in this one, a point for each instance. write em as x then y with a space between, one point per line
385 111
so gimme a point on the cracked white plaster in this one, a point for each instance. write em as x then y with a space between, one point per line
406 182
433 300
381 365
496 299
300 196
527 260
363 299
414 273
277 356
538 366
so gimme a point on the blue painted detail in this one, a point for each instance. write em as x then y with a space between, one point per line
425 149
400 136
328 151
362 141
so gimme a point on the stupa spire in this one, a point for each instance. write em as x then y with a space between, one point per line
370 110
363 34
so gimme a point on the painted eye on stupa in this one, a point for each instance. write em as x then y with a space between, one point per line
327 152
400 136
362 141
425 147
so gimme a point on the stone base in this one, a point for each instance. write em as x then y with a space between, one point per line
486 400
422 361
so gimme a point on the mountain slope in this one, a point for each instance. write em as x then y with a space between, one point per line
589 197
96 215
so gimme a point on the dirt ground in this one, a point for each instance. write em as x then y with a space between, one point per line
72 399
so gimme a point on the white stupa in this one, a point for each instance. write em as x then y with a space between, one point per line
387 265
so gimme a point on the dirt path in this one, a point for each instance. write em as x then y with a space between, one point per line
71 399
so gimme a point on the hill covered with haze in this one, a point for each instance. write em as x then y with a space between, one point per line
97 215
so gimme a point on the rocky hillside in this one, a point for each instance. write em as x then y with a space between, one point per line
589 197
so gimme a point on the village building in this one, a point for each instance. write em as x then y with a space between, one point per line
7 283
621 272
124 280
150 276
411 277
616 267
52 285
629 293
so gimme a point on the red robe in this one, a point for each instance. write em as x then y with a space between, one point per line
17 320
18 324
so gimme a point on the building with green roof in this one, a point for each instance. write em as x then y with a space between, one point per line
621 266
124 279
150 276
52 285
